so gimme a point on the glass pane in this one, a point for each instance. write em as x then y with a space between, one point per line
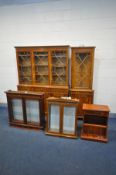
32 110
41 67
69 120
17 109
82 69
54 118
59 67
25 72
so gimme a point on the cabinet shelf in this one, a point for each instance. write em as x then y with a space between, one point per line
25 75
59 66
37 65
24 65
95 125
94 137
41 74
58 75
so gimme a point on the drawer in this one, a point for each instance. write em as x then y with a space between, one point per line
99 113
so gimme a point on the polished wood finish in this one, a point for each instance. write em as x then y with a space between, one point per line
43 69
95 122
82 61
43 65
84 96
24 107
49 91
63 105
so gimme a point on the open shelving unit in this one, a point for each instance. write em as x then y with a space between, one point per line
95 122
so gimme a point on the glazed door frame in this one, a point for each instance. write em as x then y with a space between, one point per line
61 106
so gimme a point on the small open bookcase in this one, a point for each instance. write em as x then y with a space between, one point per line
95 123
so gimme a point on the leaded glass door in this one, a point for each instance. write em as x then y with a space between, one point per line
82 68
41 67
59 67
24 67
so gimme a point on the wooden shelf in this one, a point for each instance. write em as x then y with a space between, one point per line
94 138
95 125
37 65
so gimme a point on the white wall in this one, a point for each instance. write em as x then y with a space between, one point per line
60 22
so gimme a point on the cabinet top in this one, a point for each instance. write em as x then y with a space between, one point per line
23 92
63 99
96 107
16 47
82 47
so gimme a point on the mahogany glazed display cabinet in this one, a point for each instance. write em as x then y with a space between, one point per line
26 109
62 117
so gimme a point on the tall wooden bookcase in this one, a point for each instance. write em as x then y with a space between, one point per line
43 69
82 59
46 69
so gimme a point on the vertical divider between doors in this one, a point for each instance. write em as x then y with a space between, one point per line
24 110
61 117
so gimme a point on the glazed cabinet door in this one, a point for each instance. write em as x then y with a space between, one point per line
41 63
24 63
82 68
15 106
54 118
61 118
69 122
59 67
32 111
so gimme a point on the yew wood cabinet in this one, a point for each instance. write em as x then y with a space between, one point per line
26 109
43 69
95 123
82 63
47 69
62 117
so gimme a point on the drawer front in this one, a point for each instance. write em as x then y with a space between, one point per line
99 113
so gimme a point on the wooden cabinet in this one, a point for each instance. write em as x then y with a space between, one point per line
26 109
45 65
46 69
95 122
84 96
61 117
43 69
82 60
